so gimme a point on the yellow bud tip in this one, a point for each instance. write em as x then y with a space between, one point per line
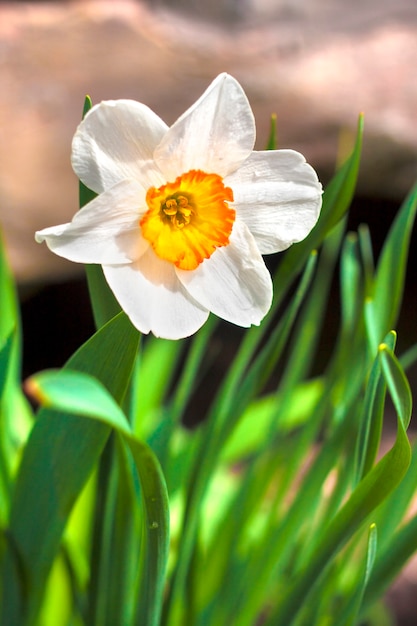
32 389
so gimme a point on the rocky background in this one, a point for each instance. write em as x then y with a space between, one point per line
315 63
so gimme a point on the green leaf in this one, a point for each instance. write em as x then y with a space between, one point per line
246 440
397 384
369 437
272 139
409 357
103 302
9 314
349 616
239 387
58 458
152 377
396 508
15 418
6 355
84 193
57 390
368 495
15 414
350 285
72 392
365 244
340 191
384 304
390 561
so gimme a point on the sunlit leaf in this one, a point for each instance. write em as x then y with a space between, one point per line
371 492
383 305
58 458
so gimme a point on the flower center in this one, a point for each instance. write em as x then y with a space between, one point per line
189 218
177 209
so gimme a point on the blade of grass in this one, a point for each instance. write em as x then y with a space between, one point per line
365 245
222 417
309 325
336 201
409 357
55 389
154 371
15 414
391 561
349 615
9 311
394 510
103 302
368 495
383 306
275 551
58 458
161 438
272 139
257 477
6 457
373 413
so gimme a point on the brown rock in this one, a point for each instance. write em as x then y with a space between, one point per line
317 69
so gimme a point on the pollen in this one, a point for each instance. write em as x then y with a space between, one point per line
187 220
178 210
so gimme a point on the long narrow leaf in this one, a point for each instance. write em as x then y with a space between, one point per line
103 302
368 441
56 390
373 489
390 562
350 615
222 419
58 458
383 306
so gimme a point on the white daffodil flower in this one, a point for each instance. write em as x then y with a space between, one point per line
184 213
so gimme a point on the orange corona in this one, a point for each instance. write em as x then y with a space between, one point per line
189 218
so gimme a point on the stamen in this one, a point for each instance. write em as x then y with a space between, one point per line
189 218
177 209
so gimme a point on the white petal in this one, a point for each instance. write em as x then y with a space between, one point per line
115 141
278 196
234 282
154 299
106 230
215 135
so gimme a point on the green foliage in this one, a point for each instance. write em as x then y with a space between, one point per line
281 504
103 302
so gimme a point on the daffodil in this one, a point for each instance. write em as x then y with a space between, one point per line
184 213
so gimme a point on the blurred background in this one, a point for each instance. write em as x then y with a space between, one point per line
315 63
